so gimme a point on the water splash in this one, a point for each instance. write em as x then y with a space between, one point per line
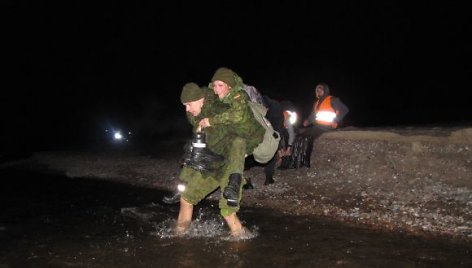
248 233
205 225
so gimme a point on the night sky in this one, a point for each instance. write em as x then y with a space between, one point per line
73 68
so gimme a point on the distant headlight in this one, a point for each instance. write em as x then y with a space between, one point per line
118 136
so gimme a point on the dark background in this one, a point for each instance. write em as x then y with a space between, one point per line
73 68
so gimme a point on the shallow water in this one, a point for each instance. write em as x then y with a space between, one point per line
55 221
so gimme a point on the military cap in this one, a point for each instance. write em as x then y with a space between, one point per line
226 75
191 92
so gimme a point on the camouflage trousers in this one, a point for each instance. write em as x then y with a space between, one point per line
199 184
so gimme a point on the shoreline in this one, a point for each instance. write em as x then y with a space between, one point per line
408 181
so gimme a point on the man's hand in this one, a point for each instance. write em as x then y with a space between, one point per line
204 123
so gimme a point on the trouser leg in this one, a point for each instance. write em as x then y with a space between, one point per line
236 158
269 170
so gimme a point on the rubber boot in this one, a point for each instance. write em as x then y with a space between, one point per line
231 192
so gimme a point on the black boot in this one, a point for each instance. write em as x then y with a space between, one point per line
248 185
231 192
269 180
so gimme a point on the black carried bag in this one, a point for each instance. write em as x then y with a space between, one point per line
198 157
301 153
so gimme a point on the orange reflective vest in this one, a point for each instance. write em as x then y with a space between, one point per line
325 113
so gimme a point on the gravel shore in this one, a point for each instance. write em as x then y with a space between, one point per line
403 180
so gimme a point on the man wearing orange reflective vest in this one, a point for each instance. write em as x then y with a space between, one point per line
327 114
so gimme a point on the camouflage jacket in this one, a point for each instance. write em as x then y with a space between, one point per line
217 138
238 118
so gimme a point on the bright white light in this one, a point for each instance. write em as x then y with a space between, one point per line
293 117
198 144
325 116
181 187
118 136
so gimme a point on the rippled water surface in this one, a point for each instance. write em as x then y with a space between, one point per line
54 221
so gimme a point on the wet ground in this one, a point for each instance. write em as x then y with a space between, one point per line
54 221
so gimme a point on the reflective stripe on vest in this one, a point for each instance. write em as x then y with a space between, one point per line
325 113
290 117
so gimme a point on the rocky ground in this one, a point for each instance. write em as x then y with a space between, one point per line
415 180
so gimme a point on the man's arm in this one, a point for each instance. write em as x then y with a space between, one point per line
291 133
311 118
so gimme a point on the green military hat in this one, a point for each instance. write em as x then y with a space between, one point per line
191 92
226 75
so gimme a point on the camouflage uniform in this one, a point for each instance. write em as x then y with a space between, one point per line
239 121
229 119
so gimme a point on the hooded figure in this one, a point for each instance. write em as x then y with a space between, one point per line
327 114
328 111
